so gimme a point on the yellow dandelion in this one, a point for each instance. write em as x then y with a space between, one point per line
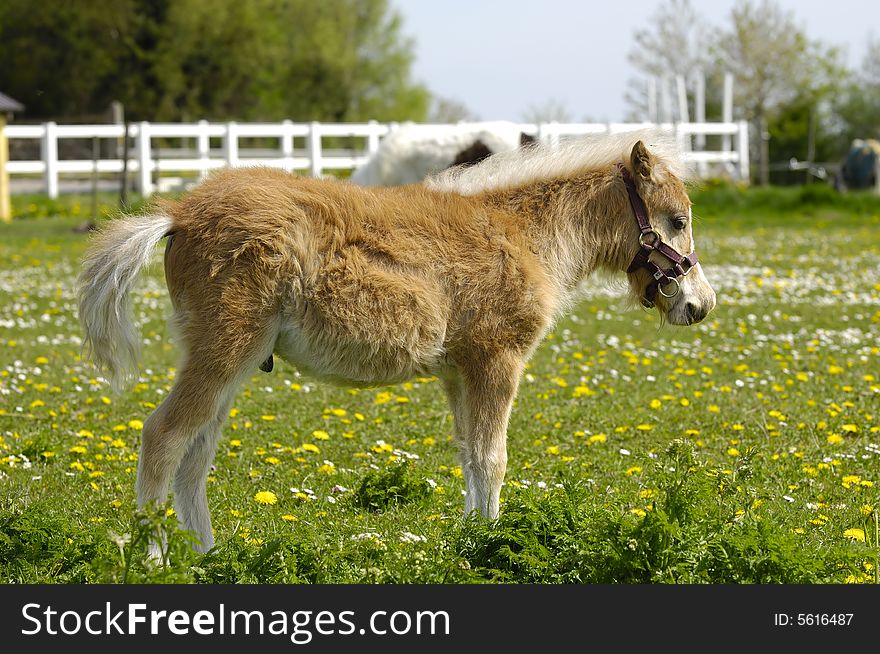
311 447
598 438
289 518
634 470
135 424
849 480
321 435
582 391
266 497
835 439
855 534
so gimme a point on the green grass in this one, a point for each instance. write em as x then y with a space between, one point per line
742 450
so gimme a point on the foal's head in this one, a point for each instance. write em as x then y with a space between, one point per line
683 299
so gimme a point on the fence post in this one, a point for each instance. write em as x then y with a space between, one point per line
230 145
743 146
727 109
314 147
5 205
287 144
548 133
49 154
145 159
373 137
204 146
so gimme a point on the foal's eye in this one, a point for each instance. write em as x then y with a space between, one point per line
679 222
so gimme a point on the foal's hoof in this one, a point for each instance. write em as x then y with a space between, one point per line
268 364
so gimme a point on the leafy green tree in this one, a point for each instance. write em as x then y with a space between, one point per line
776 66
857 106
335 60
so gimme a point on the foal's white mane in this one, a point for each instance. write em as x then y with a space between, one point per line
571 156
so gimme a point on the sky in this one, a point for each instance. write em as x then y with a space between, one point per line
500 57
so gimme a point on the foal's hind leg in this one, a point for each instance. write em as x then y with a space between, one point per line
169 432
190 492
484 398
181 434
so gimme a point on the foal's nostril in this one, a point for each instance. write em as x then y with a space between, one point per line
694 314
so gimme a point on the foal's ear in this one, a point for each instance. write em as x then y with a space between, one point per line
642 162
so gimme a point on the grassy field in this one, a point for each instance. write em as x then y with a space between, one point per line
745 449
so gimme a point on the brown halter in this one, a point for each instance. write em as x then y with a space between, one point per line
650 241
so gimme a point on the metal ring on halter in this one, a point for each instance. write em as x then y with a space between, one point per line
677 288
681 271
654 242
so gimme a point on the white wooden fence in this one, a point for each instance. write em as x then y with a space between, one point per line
147 160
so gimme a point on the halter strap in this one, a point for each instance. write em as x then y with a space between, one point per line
650 241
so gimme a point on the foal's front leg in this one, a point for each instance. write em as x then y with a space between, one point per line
484 400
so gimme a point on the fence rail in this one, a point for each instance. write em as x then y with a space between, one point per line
148 160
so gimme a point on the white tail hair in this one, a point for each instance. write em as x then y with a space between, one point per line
110 268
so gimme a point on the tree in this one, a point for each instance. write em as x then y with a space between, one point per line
871 63
551 110
215 59
449 110
857 106
676 44
767 52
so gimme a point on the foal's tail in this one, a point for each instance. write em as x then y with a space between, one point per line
109 270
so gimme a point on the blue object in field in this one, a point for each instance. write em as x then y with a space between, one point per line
860 166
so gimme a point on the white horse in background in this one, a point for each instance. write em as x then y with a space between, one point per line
412 152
